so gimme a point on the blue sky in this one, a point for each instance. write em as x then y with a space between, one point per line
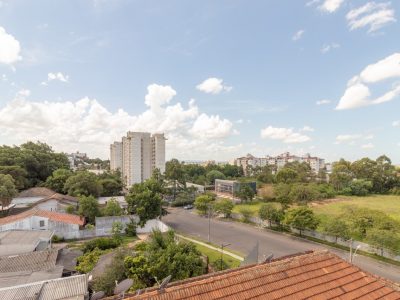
220 78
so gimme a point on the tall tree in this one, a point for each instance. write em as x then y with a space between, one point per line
83 183
301 218
89 208
174 172
7 190
57 180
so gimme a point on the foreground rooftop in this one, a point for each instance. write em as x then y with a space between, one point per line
312 275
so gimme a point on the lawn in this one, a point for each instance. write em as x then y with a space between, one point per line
388 204
214 256
254 206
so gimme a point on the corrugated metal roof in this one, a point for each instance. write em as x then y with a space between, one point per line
57 289
315 275
22 241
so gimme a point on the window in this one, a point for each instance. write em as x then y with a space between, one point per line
41 223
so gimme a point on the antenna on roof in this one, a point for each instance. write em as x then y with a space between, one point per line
98 295
123 286
164 283
268 258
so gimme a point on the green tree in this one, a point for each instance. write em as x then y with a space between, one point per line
162 256
224 206
265 175
302 193
174 172
341 175
7 190
286 175
282 194
57 180
214 174
89 208
203 203
112 208
301 218
358 187
337 228
144 200
83 183
271 213
246 213
110 187
384 239
245 193
116 231
18 173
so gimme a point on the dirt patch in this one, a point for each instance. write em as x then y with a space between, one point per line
327 201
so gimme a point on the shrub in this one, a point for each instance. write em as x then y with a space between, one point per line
87 261
246 214
102 243
224 206
57 239
271 213
130 228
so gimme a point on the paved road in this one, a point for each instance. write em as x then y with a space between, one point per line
243 238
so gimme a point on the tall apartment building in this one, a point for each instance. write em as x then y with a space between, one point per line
116 156
140 154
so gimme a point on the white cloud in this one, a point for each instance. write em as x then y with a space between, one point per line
211 127
4 78
329 47
23 93
331 6
287 135
312 2
308 129
367 146
213 86
57 76
358 93
88 126
323 102
9 48
351 139
298 35
373 15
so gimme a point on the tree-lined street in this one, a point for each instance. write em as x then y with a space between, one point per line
243 238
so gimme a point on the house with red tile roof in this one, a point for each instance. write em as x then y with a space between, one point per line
63 225
310 275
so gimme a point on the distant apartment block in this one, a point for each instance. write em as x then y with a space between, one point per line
137 156
231 187
279 161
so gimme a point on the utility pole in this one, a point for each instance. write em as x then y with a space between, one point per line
351 250
209 222
222 252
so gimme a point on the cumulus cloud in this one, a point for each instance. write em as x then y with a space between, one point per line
323 102
88 126
328 47
351 139
358 93
307 128
9 48
23 93
331 6
286 135
213 86
298 35
55 76
373 15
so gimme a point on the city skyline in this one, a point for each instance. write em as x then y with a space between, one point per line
221 80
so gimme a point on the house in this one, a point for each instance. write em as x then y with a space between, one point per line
43 199
29 267
309 275
63 225
13 242
68 288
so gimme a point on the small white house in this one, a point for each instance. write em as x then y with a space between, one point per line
35 219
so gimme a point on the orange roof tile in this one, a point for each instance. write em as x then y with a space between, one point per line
312 275
54 216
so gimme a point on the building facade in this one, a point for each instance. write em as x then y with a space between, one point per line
137 156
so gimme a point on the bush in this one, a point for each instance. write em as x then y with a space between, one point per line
130 228
359 187
246 214
218 263
102 243
326 191
271 213
395 191
224 206
303 193
57 239
87 261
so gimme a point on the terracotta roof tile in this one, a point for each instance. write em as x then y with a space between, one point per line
54 216
315 275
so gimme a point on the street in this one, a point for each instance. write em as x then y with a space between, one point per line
243 238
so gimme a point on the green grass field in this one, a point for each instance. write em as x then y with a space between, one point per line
213 256
388 204
253 206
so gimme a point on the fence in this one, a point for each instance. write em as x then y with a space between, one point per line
103 227
321 236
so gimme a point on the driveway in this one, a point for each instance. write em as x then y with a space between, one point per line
243 238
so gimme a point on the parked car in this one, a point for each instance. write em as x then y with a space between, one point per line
189 206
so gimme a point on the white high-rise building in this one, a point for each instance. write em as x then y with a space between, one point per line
141 154
116 156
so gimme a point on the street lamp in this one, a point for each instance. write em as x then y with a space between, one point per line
222 252
209 222
352 255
